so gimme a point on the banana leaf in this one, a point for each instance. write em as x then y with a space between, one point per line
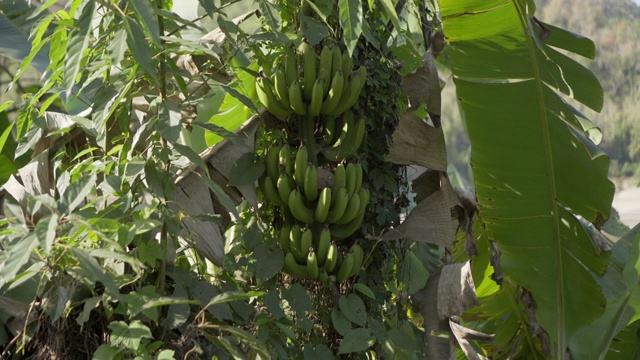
539 177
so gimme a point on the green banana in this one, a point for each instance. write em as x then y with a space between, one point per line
343 231
359 136
329 130
352 92
312 264
351 212
315 103
309 62
290 66
339 181
285 233
300 166
346 268
295 244
323 276
358 258
337 210
311 183
351 179
359 175
295 99
336 61
323 206
284 159
324 242
347 64
284 187
341 148
280 86
335 93
332 257
273 169
324 68
293 268
268 98
306 240
269 191
299 210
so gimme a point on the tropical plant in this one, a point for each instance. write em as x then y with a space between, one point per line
132 216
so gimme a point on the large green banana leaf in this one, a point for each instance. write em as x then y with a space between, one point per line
539 177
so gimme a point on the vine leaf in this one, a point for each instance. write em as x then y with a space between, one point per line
351 21
356 340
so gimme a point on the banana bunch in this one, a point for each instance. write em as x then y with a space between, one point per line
342 136
309 85
315 256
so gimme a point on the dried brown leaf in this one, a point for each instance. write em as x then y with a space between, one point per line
464 336
416 143
456 290
422 86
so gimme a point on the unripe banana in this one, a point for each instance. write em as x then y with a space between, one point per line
335 93
352 177
295 99
293 268
345 268
309 61
280 86
295 244
346 63
323 206
312 264
359 136
324 242
290 66
306 240
352 91
299 210
359 175
351 212
336 61
329 130
344 145
343 231
315 104
300 166
273 154
324 69
284 187
339 181
332 257
337 210
269 191
323 276
285 234
358 258
311 183
284 159
268 99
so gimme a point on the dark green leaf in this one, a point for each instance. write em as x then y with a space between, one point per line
108 352
243 99
117 46
169 122
222 196
46 231
353 308
246 170
13 258
94 272
356 340
140 48
340 322
15 45
148 19
391 13
268 262
364 289
222 132
314 31
270 14
232 296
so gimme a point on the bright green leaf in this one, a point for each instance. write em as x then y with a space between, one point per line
78 43
351 22
76 192
149 21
